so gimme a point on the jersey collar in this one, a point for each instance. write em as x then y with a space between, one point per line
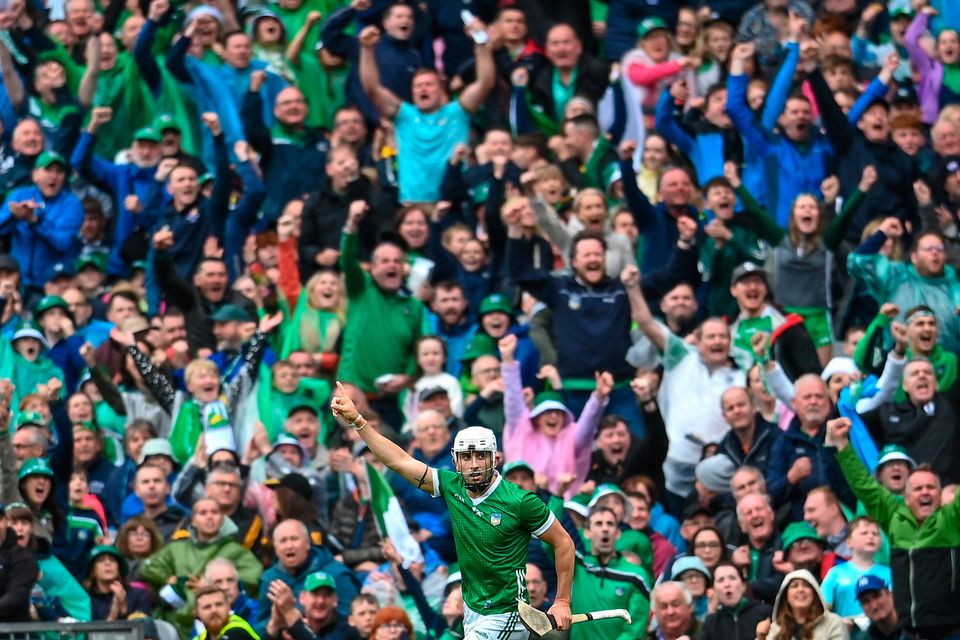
486 494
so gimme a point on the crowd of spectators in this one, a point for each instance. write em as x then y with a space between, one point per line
694 263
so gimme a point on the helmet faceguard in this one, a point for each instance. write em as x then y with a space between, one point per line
476 440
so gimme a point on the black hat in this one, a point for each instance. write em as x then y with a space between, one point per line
905 95
295 482
693 510
429 392
9 263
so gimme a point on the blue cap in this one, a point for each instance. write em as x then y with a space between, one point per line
869 582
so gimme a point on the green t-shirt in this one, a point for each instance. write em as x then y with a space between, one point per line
749 326
492 534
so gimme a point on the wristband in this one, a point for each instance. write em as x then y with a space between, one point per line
353 425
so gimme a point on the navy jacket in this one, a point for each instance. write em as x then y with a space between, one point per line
796 444
765 437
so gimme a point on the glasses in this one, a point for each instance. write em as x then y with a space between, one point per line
932 248
713 544
692 577
139 533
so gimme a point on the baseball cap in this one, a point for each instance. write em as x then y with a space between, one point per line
950 164
50 302
59 270
293 481
35 467
430 392
147 134
513 465
905 95
318 580
96 260
230 313
166 122
648 25
48 158
156 447
28 331
287 438
869 582
800 531
19 510
496 302
749 269
304 406
893 452
608 489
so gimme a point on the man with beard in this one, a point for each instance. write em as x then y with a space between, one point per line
129 184
326 209
923 423
923 341
799 460
797 149
383 323
452 322
319 619
604 579
44 220
231 328
213 611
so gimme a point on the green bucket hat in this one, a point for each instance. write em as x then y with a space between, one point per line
28 418
480 345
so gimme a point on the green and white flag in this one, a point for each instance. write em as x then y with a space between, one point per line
390 519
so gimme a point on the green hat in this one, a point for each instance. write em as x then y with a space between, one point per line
18 508
608 489
496 302
650 24
165 122
206 177
319 579
27 418
85 425
230 313
138 264
480 345
35 467
96 260
49 302
799 531
108 550
48 158
147 134
905 11
513 465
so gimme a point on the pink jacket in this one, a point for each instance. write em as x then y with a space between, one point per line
568 452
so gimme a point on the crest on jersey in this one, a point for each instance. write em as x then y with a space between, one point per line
495 519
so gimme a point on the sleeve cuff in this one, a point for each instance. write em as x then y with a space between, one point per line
546 525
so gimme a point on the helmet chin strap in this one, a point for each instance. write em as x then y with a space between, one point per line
480 487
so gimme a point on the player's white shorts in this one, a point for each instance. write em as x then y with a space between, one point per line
495 626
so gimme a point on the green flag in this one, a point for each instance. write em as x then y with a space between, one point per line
390 519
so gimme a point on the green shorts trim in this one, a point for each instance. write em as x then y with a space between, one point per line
817 322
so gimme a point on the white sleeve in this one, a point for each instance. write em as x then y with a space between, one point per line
887 384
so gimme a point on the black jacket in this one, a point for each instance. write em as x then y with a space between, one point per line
737 623
593 76
18 573
325 212
928 433
644 456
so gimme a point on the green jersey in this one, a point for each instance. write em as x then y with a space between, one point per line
492 534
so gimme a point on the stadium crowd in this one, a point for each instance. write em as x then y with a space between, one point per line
693 262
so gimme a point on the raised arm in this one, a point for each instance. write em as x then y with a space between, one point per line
11 79
640 310
386 102
88 82
295 48
472 97
390 454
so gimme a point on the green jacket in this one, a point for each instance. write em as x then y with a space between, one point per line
630 540
924 557
381 328
899 283
617 585
184 556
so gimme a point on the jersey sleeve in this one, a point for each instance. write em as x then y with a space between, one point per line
534 515
405 113
441 481
676 350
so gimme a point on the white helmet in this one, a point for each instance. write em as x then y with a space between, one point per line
477 438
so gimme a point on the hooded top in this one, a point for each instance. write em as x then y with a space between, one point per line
568 452
829 626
